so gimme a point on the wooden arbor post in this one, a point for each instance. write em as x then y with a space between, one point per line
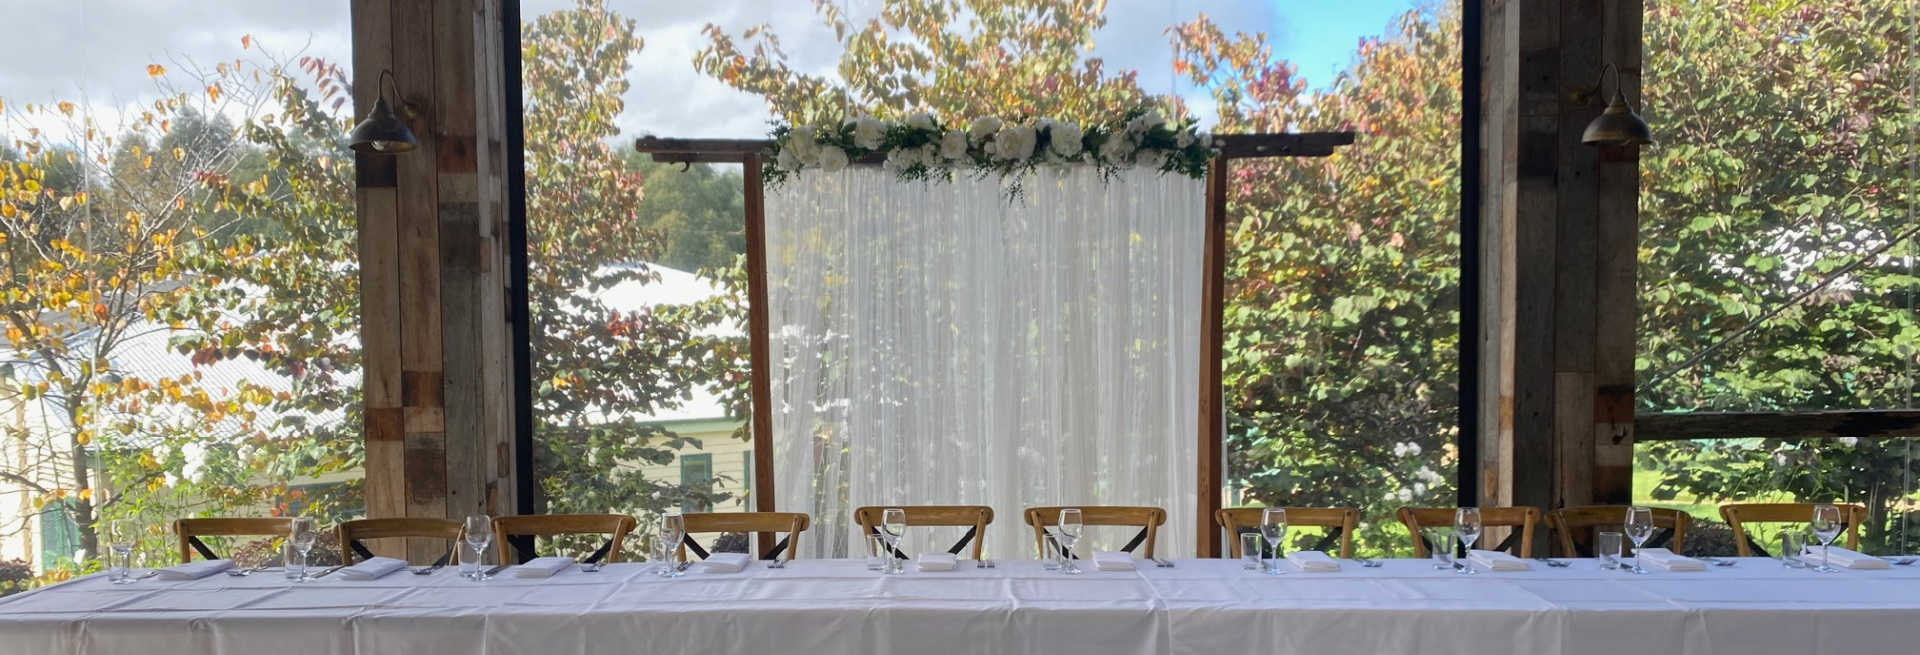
1559 231
438 401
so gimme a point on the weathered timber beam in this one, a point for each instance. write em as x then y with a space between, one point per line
1826 424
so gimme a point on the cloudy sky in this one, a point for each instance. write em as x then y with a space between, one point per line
97 50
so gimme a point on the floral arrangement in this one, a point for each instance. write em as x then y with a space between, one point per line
923 147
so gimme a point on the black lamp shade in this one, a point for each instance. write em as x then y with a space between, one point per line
1617 126
382 132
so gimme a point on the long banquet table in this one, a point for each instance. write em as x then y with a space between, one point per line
837 606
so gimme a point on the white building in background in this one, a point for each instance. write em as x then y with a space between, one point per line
47 536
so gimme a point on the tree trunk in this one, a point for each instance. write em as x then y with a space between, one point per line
83 506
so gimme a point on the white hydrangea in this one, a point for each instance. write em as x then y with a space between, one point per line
953 145
920 120
1183 139
1064 139
787 159
1849 441
868 132
806 150
1116 149
832 159
1015 143
983 128
1151 159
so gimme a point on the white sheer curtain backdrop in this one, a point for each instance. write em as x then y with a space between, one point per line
936 343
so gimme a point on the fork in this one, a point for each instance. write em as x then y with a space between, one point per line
777 564
1160 563
1899 561
426 570
986 563
1367 563
241 573
591 567
1719 562
1552 563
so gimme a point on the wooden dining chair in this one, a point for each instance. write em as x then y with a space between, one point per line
1573 527
974 518
1518 543
792 523
1340 523
354 533
1148 519
191 530
507 528
1738 515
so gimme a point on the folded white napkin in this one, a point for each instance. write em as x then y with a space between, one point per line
1843 558
542 567
194 570
1498 561
1312 561
725 562
1667 559
937 561
1113 560
373 568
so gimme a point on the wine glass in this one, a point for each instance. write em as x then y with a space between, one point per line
1638 528
121 535
1273 528
1466 526
302 533
893 524
1071 527
1825 526
479 535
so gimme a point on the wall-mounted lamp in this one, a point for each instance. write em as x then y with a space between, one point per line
1618 125
383 133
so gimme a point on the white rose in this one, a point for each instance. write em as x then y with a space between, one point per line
1183 139
1116 149
1015 142
787 159
920 120
868 132
832 159
983 127
953 145
929 154
1151 159
1064 139
806 151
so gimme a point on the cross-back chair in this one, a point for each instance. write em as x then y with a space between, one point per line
1519 542
191 530
1148 519
1739 515
975 518
1573 527
354 533
792 523
506 528
1339 522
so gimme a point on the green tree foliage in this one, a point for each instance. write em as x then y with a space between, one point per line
1342 311
1785 151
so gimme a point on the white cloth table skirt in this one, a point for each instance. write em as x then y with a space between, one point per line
836 606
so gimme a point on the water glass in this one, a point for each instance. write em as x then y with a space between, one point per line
1793 545
473 560
877 554
1250 551
120 539
1606 546
296 561
1440 547
673 528
1050 553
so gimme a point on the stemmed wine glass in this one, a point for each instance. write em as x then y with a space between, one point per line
1466 526
1639 527
479 536
1273 528
1071 527
120 539
893 527
302 533
1825 526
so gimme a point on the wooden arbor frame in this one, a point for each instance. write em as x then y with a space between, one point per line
1210 432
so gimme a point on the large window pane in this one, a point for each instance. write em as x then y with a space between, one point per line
1785 162
1342 310
181 278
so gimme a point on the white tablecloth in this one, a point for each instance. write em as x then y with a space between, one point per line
836 606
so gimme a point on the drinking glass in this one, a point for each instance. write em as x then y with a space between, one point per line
1466 524
1793 545
121 535
1606 546
1440 547
1250 551
673 529
1071 527
1639 527
1049 552
479 535
877 554
1825 526
296 565
301 534
1273 528
893 523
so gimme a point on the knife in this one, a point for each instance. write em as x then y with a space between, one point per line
323 574
492 571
